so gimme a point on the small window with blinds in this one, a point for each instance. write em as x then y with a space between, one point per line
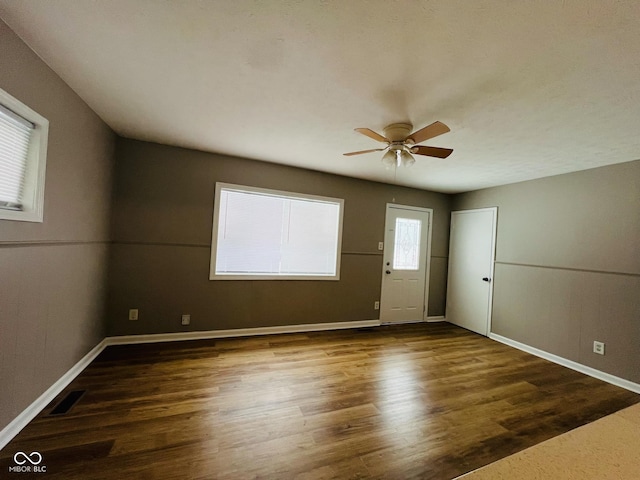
261 234
23 140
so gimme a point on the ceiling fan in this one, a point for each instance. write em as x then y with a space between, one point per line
401 145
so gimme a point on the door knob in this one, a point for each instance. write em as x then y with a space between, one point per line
486 279
388 272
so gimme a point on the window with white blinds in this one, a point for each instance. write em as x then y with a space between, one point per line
23 152
267 234
15 137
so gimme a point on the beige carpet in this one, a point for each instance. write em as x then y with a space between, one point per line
608 448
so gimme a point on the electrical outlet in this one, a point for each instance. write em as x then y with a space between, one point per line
376 305
380 245
186 319
133 314
598 347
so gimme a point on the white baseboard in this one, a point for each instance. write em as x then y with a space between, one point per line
592 372
21 421
29 413
438 318
237 332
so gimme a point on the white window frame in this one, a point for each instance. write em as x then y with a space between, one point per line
298 196
33 193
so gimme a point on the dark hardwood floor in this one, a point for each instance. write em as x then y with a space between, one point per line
428 401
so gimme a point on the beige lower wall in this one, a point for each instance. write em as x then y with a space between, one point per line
162 219
51 303
165 281
568 265
564 311
438 286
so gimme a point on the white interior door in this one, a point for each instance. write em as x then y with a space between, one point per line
405 264
471 255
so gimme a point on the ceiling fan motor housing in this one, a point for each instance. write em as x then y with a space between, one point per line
398 132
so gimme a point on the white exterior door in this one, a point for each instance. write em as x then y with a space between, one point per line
471 255
405 264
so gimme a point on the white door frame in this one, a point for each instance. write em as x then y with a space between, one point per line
494 211
494 240
425 311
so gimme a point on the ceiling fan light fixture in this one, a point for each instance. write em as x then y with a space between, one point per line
401 146
389 159
406 158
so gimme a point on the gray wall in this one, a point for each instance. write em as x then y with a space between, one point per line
52 274
161 227
568 264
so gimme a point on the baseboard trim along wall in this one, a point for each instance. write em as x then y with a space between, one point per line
29 413
436 318
592 372
238 332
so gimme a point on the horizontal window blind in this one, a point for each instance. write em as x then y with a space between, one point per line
15 135
269 234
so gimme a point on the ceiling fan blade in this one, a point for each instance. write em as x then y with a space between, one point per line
364 151
371 134
432 151
430 131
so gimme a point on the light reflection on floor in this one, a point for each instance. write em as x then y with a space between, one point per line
400 399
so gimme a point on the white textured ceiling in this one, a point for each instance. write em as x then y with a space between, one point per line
528 88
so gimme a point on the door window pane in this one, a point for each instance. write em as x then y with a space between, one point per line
406 249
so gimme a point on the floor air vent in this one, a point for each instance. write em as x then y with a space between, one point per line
67 402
